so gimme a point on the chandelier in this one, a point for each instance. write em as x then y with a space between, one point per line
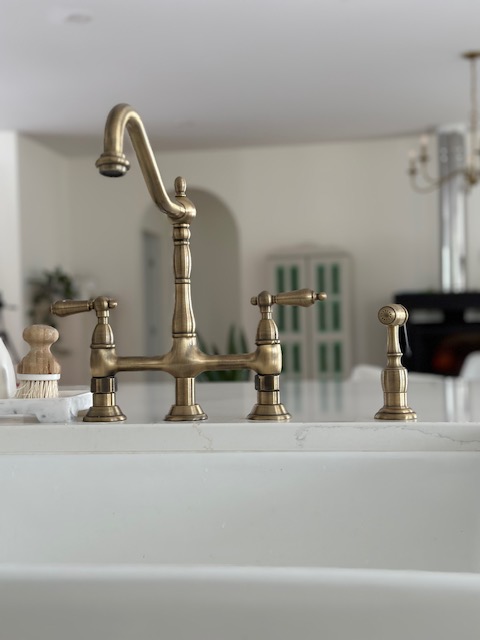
420 178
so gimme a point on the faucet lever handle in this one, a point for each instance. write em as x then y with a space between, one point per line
300 297
101 305
267 331
64 308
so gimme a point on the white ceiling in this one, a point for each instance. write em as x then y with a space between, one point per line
217 73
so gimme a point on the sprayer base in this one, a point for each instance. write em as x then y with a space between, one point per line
275 412
395 413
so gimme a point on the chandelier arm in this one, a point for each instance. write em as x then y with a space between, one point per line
425 175
429 188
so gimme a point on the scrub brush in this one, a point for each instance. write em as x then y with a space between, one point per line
38 372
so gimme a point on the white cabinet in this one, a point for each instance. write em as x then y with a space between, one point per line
316 341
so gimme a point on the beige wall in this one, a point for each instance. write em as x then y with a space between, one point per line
354 196
45 208
10 240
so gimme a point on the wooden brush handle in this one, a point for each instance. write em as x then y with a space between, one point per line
39 360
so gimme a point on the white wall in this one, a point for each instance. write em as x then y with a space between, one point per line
107 217
46 242
354 196
10 243
45 208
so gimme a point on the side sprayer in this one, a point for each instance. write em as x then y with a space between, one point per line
394 376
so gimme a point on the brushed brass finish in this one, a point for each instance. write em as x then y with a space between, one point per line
268 406
113 163
185 361
103 387
394 376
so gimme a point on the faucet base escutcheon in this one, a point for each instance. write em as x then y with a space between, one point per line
395 413
104 407
104 414
184 413
268 405
185 408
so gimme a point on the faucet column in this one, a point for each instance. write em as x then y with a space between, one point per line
268 405
103 359
183 323
103 366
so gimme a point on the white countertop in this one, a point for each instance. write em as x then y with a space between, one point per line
326 416
308 402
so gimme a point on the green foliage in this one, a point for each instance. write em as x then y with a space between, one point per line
46 289
236 343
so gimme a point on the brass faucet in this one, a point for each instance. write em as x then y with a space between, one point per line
185 361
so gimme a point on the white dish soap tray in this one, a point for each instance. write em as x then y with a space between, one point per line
70 402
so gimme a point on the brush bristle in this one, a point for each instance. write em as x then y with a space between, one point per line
38 389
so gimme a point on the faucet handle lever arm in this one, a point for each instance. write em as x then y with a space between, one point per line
299 298
267 331
101 305
64 308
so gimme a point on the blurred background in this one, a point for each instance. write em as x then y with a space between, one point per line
292 123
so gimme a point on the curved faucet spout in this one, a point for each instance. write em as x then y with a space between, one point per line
113 162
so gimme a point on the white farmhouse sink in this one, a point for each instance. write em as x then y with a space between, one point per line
240 546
